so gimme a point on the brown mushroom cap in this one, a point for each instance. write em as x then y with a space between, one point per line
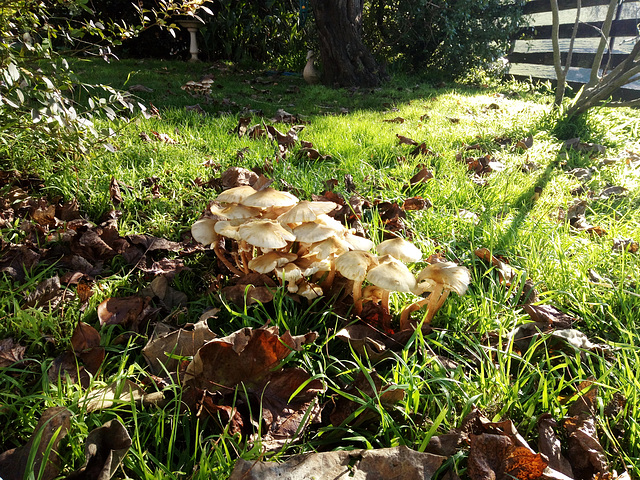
448 274
269 197
203 231
265 234
236 194
268 262
306 211
392 275
399 248
355 264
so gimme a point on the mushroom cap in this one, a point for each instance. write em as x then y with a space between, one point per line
373 293
331 222
357 242
448 274
234 212
227 229
312 232
310 291
331 245
393 275
217 210
355 264
236 194
306 211
203 231
268 262
269 197
310 264
265 234
399 248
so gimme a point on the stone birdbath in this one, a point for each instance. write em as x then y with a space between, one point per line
192 25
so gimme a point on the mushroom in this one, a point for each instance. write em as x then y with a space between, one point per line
306 211
269 197
308 290
265 233
439 279
204 231
400 248
290 273
391 275
236 194
354 265
357 242
268 262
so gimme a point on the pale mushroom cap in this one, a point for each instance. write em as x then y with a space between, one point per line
355 264
270 261
311 232
306 211
448 274
217 210
310 264
357 242
274 213
203 231
269 197
236 194
329 246
400 248
226 229
310 291
234 212
330 222
392 275
265 234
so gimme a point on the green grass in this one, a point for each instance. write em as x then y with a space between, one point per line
169 442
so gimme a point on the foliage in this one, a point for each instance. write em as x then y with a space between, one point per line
39 112
443 37
259 31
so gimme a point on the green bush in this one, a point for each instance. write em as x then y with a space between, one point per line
441 37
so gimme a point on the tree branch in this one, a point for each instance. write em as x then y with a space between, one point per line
606 29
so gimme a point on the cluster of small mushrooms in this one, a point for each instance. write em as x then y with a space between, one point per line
305 248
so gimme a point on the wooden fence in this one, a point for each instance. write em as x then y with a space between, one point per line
532 56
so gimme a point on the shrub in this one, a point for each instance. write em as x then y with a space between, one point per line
442 37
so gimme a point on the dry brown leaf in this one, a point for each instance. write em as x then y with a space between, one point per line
386 463
165 343
625 244
402 140
525 143
85 343
54 425
585 453
549 445
114 192
423 175
237 177
549 315
394 120
121 311
163 137
506 273
416 203
498 457
10 352
104 449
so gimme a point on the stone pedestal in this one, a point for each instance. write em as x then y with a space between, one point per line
192 26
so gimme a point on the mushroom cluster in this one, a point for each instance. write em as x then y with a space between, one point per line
272 232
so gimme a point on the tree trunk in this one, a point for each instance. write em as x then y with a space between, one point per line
346 61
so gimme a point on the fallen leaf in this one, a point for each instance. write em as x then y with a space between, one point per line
585 453
114 192
416 203
51 429
10 352
105 448
163 137
120 311
506 273
525 143
576 144
140 88
85 343
388 463
549 315
625 244
550 446
165 344
394 120
402 140
423 175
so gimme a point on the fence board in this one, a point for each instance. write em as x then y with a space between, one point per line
532 53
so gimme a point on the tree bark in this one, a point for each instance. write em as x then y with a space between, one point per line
346 61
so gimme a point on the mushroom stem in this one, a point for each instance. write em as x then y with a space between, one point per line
434 301
328 281
245 248
357 297
220 255
385 300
